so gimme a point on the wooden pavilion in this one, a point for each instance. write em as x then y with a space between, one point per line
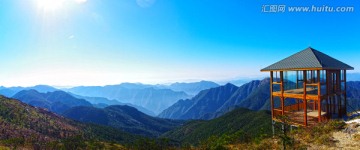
308 87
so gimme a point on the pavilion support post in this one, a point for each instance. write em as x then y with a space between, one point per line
332 105
304 98
273 127
313 105
327 107
328 102
297 79
271 94
333 92
345 97
319 96
338 92
297 86
282 92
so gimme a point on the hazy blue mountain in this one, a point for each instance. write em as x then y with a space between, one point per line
177 110
207 101
240 82
212 103
123 117
42 88
258 95
57 101
353 96
151 98
192 88
243 92
8 92
11 91
254 95
101 102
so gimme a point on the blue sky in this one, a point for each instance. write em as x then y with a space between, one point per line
99 42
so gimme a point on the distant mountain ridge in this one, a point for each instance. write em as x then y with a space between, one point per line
255 95
192 88
57 101
151 98
11 91
214 102
102 102
123 117
206 101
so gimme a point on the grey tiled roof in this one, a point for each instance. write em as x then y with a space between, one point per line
308 59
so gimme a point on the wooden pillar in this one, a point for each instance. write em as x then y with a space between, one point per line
345 97
338 91
313 104
332 92
297 86
319 96
304 98
271 94
327 93
297 79
282 92
327 107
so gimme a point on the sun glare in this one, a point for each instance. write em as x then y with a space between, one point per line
54 5
50 5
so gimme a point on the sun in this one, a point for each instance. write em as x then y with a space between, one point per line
50 5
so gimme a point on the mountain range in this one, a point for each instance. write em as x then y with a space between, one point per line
57 101
151 98
255 95
123 117
101 102
221 112
192 88
214 102
11 91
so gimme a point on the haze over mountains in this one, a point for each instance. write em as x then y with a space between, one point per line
11 91
234 108
58 101
155 98
214 102
150 99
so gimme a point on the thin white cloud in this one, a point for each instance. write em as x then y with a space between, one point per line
71 37
80 1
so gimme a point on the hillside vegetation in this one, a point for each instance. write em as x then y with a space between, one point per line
123 117
241 122
22 125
